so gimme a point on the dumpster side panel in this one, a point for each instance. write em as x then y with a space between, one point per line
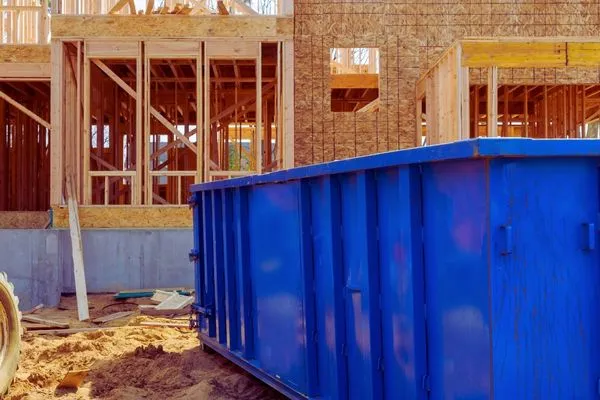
361 277
329 287
229 264
277 282
546 280
456 241
400 258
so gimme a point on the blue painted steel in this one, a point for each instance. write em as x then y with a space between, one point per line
461 271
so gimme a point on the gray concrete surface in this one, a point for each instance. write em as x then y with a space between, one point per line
40 265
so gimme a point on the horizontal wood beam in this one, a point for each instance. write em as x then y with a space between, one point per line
169 26
354 81
524 54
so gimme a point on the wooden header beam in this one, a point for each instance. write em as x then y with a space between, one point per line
170 26
507 53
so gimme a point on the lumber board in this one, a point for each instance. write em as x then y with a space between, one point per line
126 217
164 324
354 81
44 321
77 251
513 54
112 317
168 26
172 49
34 71
111 49
492 103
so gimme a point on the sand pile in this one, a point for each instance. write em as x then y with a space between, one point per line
131 362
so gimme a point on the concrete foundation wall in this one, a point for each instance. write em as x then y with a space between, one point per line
40 265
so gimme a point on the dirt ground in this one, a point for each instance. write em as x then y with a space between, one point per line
127 362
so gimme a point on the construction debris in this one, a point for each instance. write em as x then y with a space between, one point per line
164 324
152 311
112 317
43 321
175 302
73 379
33 310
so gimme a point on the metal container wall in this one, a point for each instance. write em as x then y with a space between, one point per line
460 271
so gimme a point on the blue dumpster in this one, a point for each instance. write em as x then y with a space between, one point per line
461 271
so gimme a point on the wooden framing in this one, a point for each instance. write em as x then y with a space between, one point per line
537 111
122 62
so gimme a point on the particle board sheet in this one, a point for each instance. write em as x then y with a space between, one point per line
24 53
126 217
24 219
411 37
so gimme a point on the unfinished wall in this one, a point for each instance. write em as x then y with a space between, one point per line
411 36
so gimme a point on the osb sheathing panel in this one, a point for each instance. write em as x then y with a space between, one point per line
125 217
24 219
24 53
411 36
170 26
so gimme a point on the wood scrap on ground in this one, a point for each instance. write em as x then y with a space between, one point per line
112 317
175 302
43 321
33 310
73 379
152 311
164 324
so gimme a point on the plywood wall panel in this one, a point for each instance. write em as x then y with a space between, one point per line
411 36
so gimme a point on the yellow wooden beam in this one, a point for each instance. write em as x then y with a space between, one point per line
582 54
507 53
355 81
513 54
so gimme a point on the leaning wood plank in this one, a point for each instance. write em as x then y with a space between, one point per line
222 8
243 8
153 111
25 110
112 317
118 7
34 309
43 321
149 7
164 324
77 250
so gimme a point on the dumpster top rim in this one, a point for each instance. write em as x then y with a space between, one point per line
465 149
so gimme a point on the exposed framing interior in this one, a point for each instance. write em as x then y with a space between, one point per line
143 118
25 128
449 108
